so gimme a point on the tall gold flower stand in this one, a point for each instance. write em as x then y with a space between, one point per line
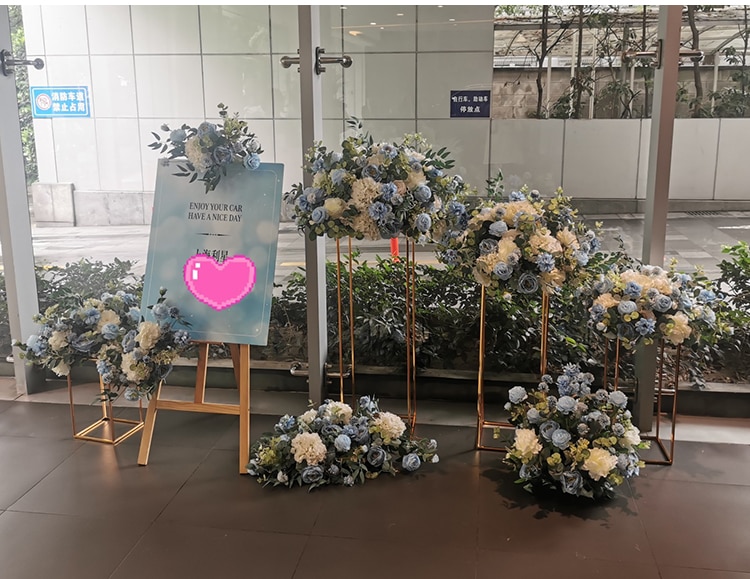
346 360
106 423
665 400
482 422
241 361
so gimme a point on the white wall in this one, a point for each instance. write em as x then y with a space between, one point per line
148 65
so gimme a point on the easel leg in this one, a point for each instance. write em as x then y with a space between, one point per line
148 428
243 367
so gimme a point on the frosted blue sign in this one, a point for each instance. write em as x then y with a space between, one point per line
215 252
470 104
60 101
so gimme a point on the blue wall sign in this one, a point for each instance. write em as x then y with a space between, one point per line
60 101
470 104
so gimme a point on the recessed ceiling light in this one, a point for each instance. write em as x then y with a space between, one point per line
440 6
382 28
451 19
355 32
399 14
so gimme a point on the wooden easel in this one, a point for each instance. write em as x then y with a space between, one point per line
241 361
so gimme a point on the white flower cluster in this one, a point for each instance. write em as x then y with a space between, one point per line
388 425
308 447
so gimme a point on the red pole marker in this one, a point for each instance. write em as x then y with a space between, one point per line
394 248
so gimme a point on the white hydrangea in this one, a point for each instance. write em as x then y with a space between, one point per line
308 447
388 425
308 417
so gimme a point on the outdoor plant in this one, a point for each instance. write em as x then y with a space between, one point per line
336 445
210 148
374 190
571 439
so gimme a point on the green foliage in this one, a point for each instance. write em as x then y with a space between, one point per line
735 283
18 43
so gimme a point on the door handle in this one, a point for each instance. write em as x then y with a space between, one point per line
7 62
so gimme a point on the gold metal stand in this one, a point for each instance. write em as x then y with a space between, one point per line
345 372
107 421
661 393
483 423
616 378
411 333
241 361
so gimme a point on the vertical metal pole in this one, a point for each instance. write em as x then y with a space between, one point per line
15 224
549 81
657 187
715 85
315 251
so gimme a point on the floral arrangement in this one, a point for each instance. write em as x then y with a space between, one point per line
580 442
142 357
71 336
211 148
374 190
647 303
337 445
521 244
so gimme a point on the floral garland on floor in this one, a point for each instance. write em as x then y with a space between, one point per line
70 337
374 190
647 303
335 445
580 442
211 148
523 244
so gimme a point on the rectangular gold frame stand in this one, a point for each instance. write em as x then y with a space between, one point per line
241 362
483 423
107 421
661 392
345 371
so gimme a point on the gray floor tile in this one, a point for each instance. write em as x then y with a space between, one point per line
686 573
45 420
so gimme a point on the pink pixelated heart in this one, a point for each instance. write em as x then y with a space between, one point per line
219 285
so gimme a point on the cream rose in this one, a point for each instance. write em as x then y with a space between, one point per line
308 417
335 207
526 444
678 329
606 300
631 438
567 238
107 317
148 335
599 463
319 179
62 369
58 340
338 412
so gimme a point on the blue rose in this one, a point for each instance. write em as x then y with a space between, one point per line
632 290
91 316
177 136
423 193
251 161
503 271
82 344
571 482
603 285
411 462
181 337
338 176
517 394
312 474
342 443
389 151
285 424
517 196
331 430
626 307
449 256
547 428
528 471
222 155
160 311
376 456
423 222
335 157
498 228
662 303
206 128
456 208
645 326
561 438
618 429
388 190
626 332
432 445
379 211
110 331
367 404
487 246
319 215
131 394
581 257
317 165
533 416
566 404
706 296
303 204
528 283
545 262
372 171
617 398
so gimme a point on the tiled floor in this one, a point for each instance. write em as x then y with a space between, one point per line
79 510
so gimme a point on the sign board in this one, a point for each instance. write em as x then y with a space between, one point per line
470 104
215 252
60 101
